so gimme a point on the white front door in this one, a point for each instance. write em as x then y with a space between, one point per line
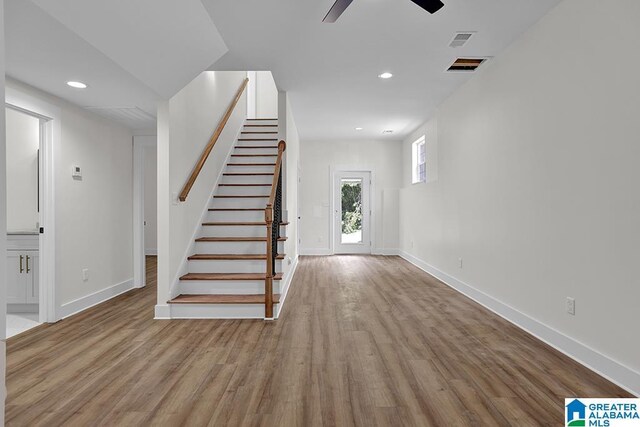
352 213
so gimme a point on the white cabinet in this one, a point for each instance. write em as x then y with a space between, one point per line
22 277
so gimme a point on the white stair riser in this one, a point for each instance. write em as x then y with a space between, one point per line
251 132
253 159
230 266
233 231
249 169
242 190
248 179
219 311
236 231
226 287
228 216
256 142
262 122
235 202
256 151
234 247
254 128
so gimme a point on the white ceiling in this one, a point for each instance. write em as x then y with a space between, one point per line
163 43
135 53
330 70
132 54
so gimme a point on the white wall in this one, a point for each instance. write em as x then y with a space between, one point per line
290 179
3 228
150 201
383 158
251 94
537 186
266 95
93 215
185 125
23 141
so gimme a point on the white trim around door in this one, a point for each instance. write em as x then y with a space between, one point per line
50 136
363 241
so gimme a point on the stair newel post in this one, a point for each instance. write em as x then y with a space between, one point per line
273 213
268 282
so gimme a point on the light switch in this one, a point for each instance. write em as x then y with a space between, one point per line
76 172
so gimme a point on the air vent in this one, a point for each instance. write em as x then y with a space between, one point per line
460 39
132 117
466 64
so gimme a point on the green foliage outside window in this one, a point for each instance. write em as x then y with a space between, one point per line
351 207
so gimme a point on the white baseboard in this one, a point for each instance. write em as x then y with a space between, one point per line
315 251
327 251
151 252
608 368
95 298
162 311
286 283
385 252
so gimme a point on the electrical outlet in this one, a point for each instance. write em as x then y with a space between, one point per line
289 260
85 274
571 306
460 262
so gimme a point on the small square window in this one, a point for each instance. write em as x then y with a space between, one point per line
419 161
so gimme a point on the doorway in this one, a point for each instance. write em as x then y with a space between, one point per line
144 205
352 212
33 132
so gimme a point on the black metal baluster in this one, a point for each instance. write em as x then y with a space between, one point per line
277 219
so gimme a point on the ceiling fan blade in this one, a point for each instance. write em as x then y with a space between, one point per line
431 6
336 10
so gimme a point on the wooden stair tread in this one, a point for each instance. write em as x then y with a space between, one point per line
257 139
259 132
222 299
245 185
240 197
230 223
235 209
262 126
246 174
251 164
253 147
254 155
262 119
236 239
230 257
228 276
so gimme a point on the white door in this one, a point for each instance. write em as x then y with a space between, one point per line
352 213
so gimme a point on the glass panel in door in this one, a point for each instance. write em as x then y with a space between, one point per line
351 196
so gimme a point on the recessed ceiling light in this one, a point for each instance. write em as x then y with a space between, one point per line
387 131
77 85
385 75
358 128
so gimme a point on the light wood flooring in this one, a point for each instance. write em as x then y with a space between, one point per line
366 341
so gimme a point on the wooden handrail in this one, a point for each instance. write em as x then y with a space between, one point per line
212 141
268 217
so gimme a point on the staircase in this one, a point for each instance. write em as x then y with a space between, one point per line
234 262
